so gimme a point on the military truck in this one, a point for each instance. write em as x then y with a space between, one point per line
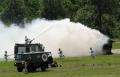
31 56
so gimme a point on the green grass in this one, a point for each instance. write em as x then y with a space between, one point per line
7 65
101 66
116 45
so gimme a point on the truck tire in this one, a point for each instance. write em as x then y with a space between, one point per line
50 60
19 69
34 68
30 68
43 67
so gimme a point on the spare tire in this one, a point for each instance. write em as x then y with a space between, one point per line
44 57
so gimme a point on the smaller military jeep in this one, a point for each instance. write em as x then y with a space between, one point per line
31 56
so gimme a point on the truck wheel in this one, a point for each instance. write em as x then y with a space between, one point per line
43 67
50 59
19 69
34 69
30 69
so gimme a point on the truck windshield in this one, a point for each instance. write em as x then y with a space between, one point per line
34 48
21 49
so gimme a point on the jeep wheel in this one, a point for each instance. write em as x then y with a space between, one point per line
43 67
19 69
29 69
34 69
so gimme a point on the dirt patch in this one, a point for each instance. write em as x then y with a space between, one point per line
116 51
7 71
83 66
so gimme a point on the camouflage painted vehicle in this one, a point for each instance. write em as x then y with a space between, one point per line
31 56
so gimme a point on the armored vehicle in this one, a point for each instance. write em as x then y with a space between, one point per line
31 56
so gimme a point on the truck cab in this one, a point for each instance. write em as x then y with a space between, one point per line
32 54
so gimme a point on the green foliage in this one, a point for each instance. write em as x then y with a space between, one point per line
116 45
71 7
18 11
106 11
85 14
14 12
53 9
3 6
103 15
33 9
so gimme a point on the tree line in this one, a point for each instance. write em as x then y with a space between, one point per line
103 15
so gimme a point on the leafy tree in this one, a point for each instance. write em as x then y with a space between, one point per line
53 9
107 7
14 12
33 9
3 5
71 7
84 13
103 15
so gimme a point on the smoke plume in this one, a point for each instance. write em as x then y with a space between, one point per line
74 39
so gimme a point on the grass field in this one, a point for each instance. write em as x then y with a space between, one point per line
116 45
101 66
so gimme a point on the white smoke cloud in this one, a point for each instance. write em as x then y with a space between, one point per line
74 39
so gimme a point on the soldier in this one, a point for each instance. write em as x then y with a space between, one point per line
92 53
27 41
25 65
6 56
60 53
